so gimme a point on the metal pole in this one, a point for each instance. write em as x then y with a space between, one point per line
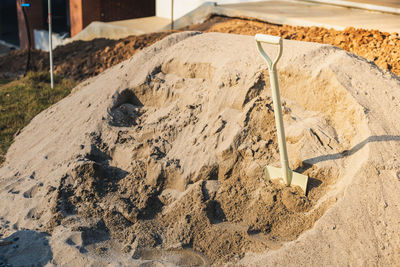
172 14
50 45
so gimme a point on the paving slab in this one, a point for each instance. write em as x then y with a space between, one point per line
144 25
121 29
6 47
382 3
387 6
302 13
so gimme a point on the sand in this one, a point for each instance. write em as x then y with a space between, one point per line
159 161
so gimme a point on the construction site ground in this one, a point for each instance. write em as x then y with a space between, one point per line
82 59
157 156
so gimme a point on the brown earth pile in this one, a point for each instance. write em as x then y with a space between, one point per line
380 47
80 60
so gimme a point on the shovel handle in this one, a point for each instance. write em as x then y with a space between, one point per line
269 39
286 172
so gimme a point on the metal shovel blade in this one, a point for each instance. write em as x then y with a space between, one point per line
295 178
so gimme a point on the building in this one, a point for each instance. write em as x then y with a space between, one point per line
71 16
68 16
182 7
8 21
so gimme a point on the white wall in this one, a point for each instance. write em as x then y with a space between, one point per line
181 7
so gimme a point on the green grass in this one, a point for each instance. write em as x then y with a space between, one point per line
23 99
4 81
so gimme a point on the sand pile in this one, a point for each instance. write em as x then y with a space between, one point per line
159 160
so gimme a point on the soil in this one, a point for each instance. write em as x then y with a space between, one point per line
83 59
80 59
379 47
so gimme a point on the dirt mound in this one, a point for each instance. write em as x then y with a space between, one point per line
376 46
80 60
163 163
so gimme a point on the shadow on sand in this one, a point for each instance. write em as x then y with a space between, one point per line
25 248
308 163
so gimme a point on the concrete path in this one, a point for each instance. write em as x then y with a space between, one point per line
144 25
301 13
383 3
291 12
121 29
388 3
6 47
387 6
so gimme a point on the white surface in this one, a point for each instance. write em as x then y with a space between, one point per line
42 40
181 7
271 39
368 6
302 13
121 29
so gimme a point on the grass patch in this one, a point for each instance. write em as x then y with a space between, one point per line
23 99
4 81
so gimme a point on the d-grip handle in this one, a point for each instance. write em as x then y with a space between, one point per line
269 39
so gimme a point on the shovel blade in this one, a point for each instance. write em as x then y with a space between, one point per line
298 179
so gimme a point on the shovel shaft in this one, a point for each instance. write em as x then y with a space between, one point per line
290 177
273 76
279 125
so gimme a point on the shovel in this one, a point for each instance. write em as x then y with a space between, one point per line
290 177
